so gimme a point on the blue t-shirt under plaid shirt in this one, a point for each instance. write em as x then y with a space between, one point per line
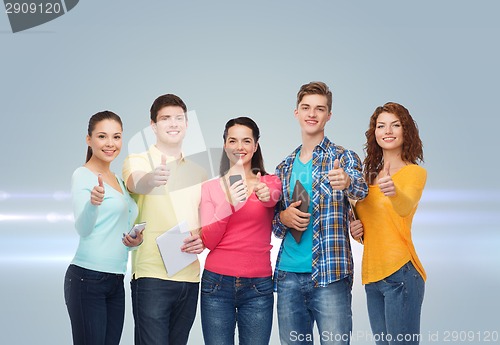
331 248
297 257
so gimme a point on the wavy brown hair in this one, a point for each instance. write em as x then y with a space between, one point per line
412 150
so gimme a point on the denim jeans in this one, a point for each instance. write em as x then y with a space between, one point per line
394 305
164 310
227 301
300 304
96 305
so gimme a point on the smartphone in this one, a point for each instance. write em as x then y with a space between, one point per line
234 178
137 229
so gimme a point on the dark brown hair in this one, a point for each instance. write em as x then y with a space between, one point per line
412 150
257 159
165 101
95 119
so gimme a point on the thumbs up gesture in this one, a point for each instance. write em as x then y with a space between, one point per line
339 180
97 193
385 183
161 173
262 190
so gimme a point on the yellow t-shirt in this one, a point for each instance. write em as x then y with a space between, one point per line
387 225
163 208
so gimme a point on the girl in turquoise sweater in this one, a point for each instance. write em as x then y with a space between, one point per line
103 211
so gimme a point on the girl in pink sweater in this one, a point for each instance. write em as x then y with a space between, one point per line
236 215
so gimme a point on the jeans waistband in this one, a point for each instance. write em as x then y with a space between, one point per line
81 270
230 280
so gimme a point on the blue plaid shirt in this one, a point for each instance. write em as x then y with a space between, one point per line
331 251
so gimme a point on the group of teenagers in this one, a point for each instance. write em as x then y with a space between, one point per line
234 218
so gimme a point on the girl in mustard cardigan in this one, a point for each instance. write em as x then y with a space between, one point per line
393 275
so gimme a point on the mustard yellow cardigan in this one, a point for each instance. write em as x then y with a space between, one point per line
387 224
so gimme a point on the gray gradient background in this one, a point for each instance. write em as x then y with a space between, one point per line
232 58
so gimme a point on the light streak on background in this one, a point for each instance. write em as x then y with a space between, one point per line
49 217
58 196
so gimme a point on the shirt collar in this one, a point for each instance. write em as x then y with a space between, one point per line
325 144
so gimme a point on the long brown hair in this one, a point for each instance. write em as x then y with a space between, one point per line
257 159
412 150
94 120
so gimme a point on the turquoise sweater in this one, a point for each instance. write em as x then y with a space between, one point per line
101 227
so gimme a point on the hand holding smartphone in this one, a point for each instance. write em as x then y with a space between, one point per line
235 178
136 229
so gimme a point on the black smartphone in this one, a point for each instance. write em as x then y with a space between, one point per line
234 178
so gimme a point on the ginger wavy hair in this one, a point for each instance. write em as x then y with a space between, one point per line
412 150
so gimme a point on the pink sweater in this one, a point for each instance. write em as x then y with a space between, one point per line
239 241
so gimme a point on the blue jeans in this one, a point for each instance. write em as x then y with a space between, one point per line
394 305
96 305
300 304
227 301
164 310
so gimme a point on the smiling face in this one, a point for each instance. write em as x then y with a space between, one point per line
105 140
240 145
170 126
312 114
389 132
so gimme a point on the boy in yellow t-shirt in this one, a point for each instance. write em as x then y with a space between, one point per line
167 189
